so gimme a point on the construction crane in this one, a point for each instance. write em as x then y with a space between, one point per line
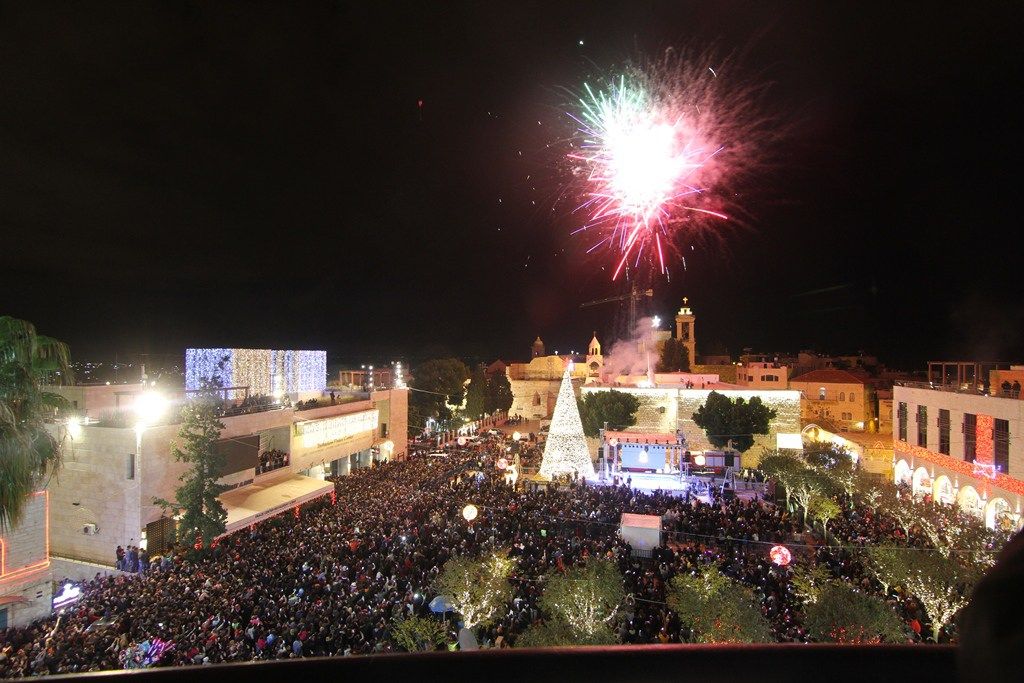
633 297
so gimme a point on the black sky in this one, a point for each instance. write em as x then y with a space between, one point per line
259 174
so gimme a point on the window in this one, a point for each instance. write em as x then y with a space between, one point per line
970 437
852 397
1001 441
943 431
131 466
821 393
3 618
842 395
383 430
901 418
922 426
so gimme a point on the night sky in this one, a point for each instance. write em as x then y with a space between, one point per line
259 174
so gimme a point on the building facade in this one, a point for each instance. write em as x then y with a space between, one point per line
836 398
535 385
276 458
25 575
762 375
960 447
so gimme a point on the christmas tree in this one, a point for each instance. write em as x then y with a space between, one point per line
566 450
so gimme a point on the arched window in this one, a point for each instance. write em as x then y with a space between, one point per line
852 399
842 395
821 393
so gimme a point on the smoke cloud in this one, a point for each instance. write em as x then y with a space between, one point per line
626 357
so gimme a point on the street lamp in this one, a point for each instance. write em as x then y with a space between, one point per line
516 436
470 512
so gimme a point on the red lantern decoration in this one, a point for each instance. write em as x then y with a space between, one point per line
780 555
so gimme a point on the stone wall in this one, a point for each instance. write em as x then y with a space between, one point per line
666 410
25 578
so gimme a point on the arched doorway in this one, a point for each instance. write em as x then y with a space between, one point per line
921 482
942 490
902 473
969 500
998 514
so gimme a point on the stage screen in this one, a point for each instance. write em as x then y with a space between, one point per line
642 457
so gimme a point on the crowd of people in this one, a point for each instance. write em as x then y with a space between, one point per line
334 579
270 460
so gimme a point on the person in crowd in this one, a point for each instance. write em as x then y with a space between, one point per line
333 580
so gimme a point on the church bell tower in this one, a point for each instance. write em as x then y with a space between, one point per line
685 320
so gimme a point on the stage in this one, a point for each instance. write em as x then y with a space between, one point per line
672 483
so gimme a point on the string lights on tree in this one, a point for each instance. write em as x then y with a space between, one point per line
565 451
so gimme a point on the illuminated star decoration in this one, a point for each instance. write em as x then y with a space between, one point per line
652 148
656 322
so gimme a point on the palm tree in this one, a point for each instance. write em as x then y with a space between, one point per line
28 451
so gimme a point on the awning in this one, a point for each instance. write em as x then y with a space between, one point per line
256 502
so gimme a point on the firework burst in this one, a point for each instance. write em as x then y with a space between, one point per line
660 148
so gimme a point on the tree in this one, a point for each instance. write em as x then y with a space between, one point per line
942 584
724 420
675 357
837 463
808 485
783 468
950 530
717 609
203 516
586 598
477 588
557 633
824 510
499 393
808 581
28 451
844 615
438 384
476 393
887 563
418 634
617 408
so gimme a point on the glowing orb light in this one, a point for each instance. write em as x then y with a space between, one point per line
699 460
780 555
462 441
502 463
516 436
470 512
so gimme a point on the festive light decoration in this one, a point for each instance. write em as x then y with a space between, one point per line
265 372
502 463
565 450
699 460
516 436
780 555
469 512
1001 480
399 377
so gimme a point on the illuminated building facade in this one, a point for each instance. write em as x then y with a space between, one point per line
266 372
25 582
956 445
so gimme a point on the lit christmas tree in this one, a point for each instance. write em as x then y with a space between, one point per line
566 451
